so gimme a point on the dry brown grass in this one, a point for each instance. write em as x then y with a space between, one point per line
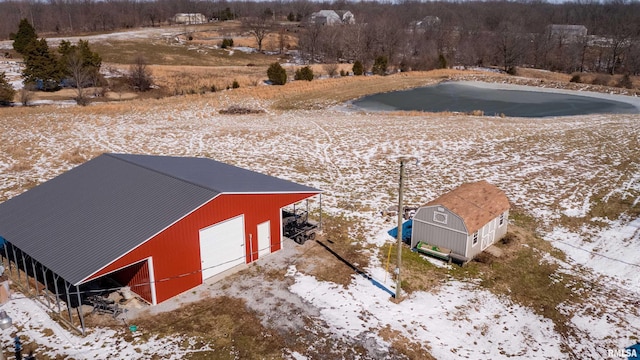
317 94
21 166
76 156
606 79
15 151
401 345
417 273
543 74
225 328
341 236
199 79
320 93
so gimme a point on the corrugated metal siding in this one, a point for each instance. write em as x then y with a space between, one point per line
137 278
176 250
439 236
94 213
451 235
105 207
472 251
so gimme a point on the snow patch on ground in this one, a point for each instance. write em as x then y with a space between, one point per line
457 321
612 251
35 324
13 71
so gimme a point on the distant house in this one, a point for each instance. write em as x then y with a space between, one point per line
189 18
425 24
332 17
428 22
571 32
464 221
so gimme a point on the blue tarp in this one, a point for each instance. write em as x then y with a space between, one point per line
406 231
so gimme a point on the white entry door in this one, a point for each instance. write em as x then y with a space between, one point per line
264 239
222 246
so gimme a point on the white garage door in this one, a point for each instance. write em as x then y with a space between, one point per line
222 246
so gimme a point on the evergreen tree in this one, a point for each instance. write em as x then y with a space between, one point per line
25 36
6 91
380 65
305 73
74 56
227 43
358 69
442 62
41 67
277 74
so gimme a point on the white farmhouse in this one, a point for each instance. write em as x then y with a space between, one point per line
189 18
333 17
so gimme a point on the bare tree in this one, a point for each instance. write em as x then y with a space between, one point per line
510 45
80 75
541 46
259 27
26 95
140 75
282 41
309 41
354 42
621 42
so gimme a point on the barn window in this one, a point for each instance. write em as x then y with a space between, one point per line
501 219
475 238
440 217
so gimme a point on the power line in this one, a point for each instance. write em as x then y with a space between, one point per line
257 251
596 253
174 277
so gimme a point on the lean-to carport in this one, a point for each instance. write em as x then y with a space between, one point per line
47 287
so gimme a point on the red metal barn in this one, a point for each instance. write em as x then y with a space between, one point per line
159 224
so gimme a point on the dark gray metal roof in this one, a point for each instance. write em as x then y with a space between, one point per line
215 175
81 221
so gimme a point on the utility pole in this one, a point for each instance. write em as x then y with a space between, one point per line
400 213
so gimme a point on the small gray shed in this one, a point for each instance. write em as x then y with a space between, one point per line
466 220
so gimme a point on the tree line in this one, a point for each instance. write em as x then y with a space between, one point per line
420 36
409 34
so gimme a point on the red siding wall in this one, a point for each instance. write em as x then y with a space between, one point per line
137 278
176 250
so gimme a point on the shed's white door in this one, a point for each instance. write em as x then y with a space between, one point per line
222 246
264 239
487 240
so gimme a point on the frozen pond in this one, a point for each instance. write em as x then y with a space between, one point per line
497 99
